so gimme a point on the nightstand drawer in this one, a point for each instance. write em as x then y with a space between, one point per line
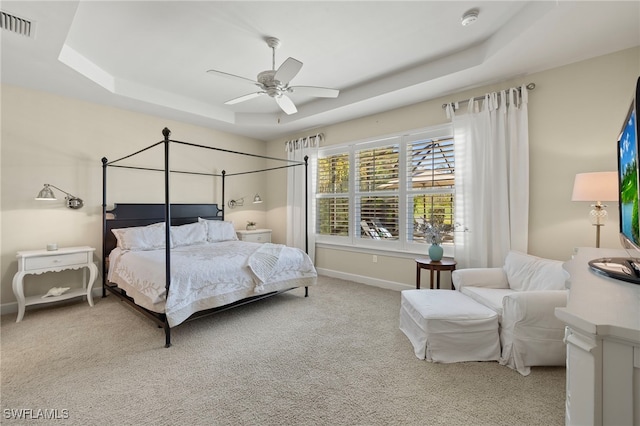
55 261
264 237
255 235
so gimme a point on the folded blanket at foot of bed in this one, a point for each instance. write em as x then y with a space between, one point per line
263 262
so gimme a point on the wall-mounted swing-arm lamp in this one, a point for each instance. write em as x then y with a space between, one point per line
240 201
46 194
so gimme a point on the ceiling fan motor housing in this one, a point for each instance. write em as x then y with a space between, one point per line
270 85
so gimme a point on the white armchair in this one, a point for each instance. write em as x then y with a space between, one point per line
524 293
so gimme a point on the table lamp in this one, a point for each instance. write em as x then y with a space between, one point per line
596 187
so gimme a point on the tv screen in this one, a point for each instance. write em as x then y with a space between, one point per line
628 174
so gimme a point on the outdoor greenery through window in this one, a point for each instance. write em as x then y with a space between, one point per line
389 190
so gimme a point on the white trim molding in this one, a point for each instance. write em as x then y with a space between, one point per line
389 285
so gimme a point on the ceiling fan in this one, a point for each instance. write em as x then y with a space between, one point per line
275 83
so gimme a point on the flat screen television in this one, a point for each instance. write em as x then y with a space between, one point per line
626 268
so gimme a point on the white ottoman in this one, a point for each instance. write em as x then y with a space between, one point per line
447 326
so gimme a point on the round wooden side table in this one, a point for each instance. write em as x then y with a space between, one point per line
445 264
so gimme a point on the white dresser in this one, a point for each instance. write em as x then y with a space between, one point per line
603 344
255 235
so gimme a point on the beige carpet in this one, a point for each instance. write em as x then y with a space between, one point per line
335 358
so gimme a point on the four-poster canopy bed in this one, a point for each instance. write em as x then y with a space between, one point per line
175 262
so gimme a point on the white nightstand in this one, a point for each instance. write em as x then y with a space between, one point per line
255 236
41 261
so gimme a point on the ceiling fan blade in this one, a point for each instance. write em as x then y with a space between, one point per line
288 70
232 76
244 98
286 104
318 92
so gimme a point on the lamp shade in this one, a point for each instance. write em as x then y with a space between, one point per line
596 186
46 194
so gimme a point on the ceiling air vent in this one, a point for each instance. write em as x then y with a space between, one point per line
15 24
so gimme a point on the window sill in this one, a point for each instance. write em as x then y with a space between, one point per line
383 249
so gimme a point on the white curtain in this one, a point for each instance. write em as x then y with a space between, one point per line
491 178
296 198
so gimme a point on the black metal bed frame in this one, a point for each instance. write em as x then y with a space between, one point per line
127 215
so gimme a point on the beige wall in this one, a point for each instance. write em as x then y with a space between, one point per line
51 139
575 115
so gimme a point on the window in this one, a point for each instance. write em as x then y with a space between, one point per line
333 201
431 186
376 197
382 191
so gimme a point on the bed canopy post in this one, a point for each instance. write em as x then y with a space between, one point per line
167 228
306 212
306 204
224 172
104 226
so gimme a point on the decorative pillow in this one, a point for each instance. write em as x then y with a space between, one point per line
218 230
186 235
149 237
527 273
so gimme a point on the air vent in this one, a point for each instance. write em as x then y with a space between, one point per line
15 24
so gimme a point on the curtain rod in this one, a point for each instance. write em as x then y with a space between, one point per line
529 86
318 137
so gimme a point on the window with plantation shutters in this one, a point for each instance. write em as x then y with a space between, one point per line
376 193
430 176
332 191
384 192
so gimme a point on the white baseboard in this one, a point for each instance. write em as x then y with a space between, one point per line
390 285
9 308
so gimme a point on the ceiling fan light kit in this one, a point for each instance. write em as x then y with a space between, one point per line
275 83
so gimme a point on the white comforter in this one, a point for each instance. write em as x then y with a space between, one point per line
204 276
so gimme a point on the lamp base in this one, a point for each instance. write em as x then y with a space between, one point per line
598 226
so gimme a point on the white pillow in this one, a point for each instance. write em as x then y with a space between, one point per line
528 273
189 234
149 237
218 230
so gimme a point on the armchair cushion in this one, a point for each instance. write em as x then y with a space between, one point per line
479 277
528 273
530 333
489 297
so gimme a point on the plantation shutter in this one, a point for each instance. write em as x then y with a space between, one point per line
377 192
430 177
333 195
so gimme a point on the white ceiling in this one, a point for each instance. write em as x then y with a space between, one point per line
152 56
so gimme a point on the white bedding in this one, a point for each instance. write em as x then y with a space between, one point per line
205 276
